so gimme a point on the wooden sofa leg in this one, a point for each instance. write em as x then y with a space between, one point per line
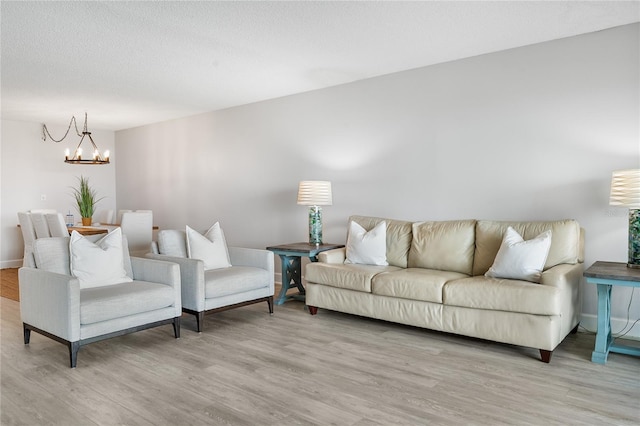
199 321
74 347
545 356
575 329
270 303
313 309
176 327
27 333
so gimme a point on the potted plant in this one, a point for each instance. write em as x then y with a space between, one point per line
87 199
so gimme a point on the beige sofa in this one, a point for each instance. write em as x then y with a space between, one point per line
435 279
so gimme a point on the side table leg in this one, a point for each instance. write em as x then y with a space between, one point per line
290 273
603 336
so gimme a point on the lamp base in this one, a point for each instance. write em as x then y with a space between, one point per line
634 238
315 225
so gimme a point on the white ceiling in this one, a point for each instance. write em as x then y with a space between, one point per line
133 63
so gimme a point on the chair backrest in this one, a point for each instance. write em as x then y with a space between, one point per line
40 225
104 217
120 213
138 227
44 211
57 225
28 233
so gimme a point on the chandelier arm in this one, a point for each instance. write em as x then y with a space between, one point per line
45 131
75 153
95 148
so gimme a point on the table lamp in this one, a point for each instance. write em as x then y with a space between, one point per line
625 191
315 193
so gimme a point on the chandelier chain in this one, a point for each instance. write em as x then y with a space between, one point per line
45 131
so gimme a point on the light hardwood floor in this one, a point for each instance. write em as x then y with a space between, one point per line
249 368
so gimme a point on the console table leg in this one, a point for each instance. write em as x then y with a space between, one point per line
603 335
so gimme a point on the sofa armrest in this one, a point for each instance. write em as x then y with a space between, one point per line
191 279
50 302
157 271
333 256
563 275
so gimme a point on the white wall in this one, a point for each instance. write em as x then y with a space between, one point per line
525 134
32 168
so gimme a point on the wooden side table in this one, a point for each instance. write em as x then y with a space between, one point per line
291 256
606 275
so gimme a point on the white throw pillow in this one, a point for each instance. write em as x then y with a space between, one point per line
521 260
210 248
100 263
368 248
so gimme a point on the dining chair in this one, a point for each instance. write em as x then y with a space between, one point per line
40 225
57 225
28 236
44 211
120 213
138 227
104 217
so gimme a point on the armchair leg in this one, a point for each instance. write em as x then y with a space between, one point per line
74 347
176 327
199 321
270 303
313 309
27 333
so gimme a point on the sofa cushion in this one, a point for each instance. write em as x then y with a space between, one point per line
211 247
413 283
499 294
518 259
234 280
100 263
120 300
348 276
446 246
398 237
172 242
565 241
367 247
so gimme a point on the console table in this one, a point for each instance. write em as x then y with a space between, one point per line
606 275
291 256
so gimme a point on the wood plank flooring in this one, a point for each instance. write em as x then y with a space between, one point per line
250 368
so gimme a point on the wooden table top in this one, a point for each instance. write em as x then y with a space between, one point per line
612 271
306 248
87 230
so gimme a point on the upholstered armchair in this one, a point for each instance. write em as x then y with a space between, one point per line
247 276
79 292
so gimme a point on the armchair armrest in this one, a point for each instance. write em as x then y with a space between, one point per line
258 258
191 279
157 271
333 256
50 302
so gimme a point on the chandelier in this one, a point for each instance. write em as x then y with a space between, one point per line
94 156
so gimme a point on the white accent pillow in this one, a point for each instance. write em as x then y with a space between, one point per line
100 263
521 260
210 248
368 248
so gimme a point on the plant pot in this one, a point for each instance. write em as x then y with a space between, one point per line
86 221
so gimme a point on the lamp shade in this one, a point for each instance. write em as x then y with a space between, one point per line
625 188
315 193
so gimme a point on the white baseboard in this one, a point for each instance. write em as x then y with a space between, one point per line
590 323
10 263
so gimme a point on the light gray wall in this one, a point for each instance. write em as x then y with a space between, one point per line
32 168
525 134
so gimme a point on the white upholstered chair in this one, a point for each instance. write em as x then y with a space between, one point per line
76 310
104 217
120 213
57 225
28 236
138 227
249 279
